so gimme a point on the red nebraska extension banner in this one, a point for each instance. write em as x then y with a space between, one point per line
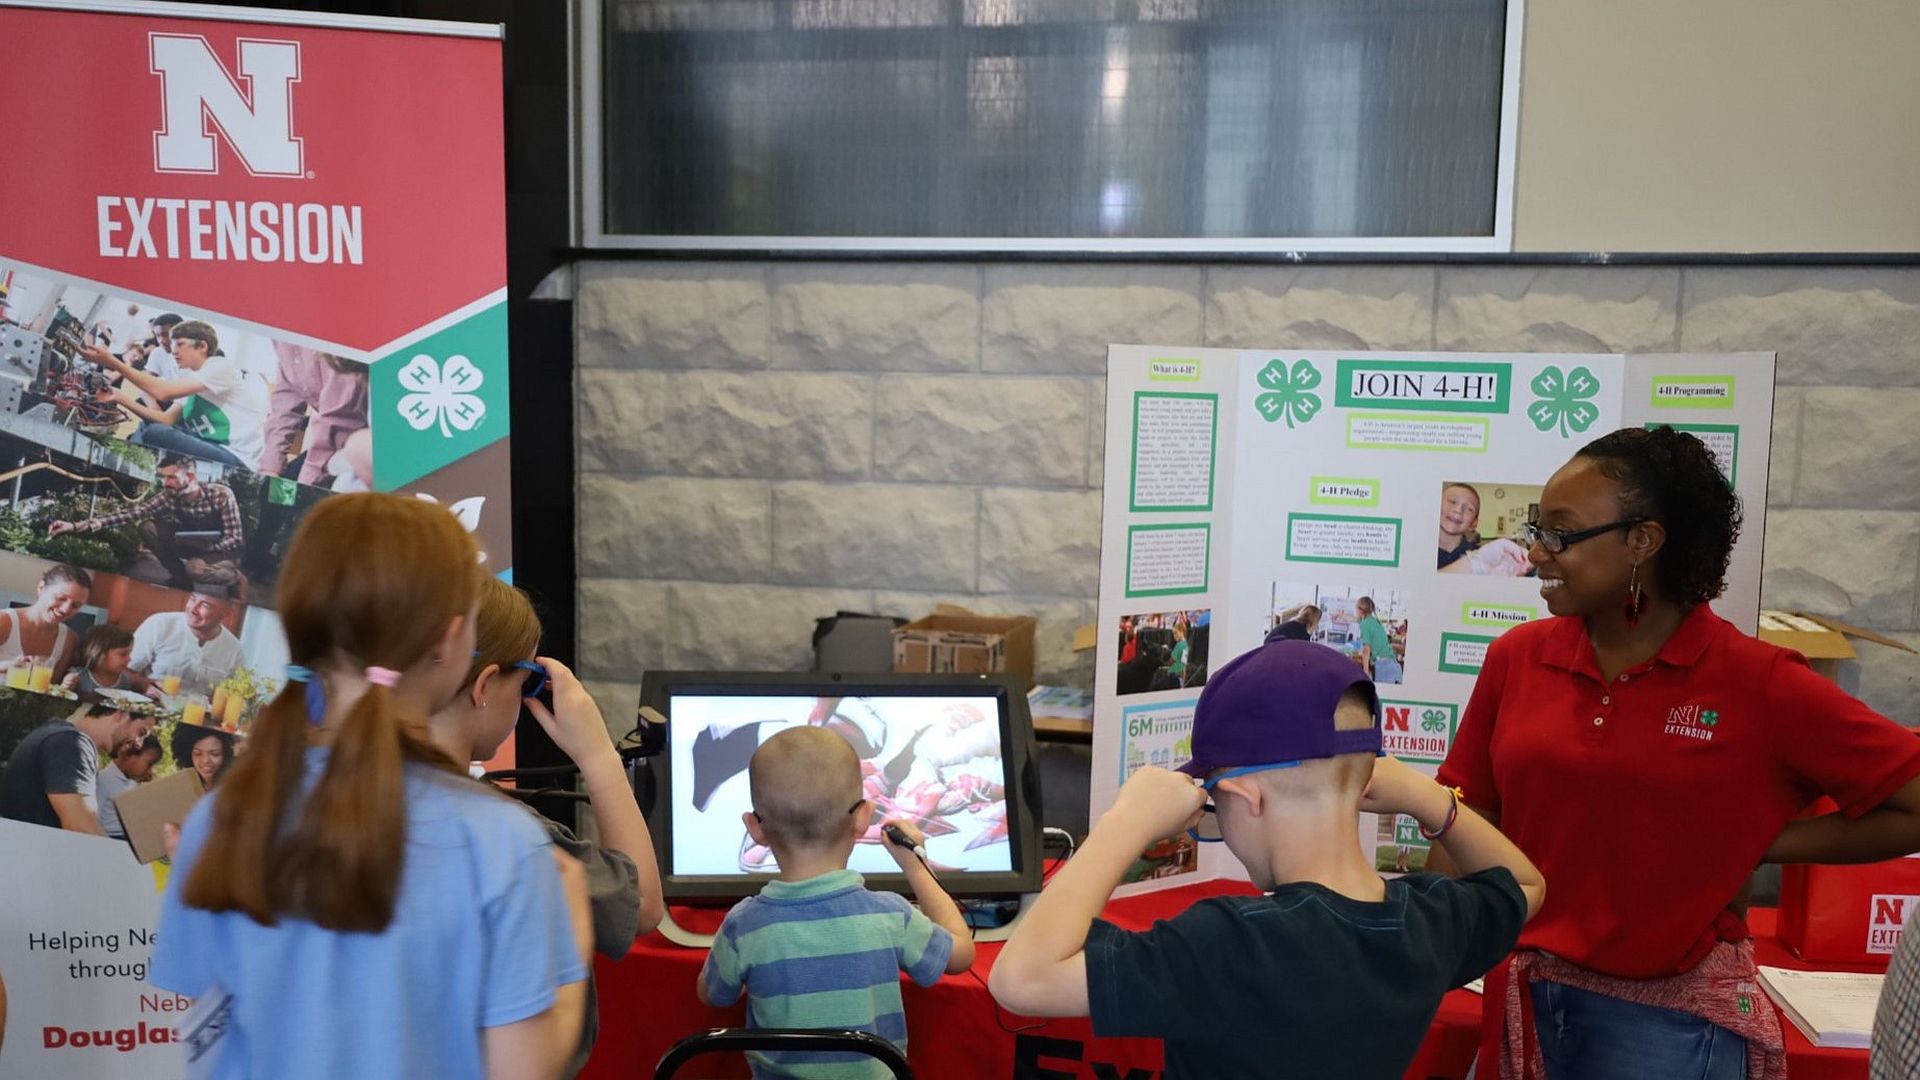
248 260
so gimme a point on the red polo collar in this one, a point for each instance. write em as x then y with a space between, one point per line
1569 649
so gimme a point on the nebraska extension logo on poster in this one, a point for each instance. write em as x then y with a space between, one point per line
1886 919
261 171
202 96
1418 730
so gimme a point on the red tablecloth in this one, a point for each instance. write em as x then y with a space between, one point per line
647 1003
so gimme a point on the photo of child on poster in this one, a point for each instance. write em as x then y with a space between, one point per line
1482 528
1369 625
68 761
1164 650
119 369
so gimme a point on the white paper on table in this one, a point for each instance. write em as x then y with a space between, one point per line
1831 1008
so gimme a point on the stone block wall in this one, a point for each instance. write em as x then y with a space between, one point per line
760 444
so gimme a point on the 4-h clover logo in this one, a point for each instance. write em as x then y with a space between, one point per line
1286 394
1710 718
1434 720
1562 400
443 395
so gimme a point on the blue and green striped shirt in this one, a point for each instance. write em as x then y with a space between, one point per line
824 953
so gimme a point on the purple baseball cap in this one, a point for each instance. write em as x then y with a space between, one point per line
1276 704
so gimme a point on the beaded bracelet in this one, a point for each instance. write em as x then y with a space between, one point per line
1453 814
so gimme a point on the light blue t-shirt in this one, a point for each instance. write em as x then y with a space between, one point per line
479 939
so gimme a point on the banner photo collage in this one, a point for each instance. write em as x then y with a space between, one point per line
234 282
1250 491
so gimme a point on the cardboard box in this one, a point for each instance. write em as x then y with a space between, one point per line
1823 641
146 809
954 640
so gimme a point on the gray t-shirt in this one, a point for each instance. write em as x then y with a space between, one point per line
112 782
613 892
55 758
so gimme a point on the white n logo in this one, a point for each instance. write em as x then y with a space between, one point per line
201 94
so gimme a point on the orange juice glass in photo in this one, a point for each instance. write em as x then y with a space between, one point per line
219 700
19 673
230 716
169 684
41 678
194 712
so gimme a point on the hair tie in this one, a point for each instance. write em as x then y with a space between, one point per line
380 676
316 695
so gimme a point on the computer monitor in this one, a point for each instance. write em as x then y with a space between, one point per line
952 753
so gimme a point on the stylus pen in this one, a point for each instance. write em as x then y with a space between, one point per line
898 836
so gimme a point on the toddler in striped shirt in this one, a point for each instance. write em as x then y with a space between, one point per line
816 949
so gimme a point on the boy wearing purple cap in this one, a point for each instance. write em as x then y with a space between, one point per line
1334 971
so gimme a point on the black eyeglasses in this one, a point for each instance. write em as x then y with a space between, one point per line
1556 541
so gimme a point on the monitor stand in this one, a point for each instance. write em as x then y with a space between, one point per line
1005 930
685 938
681 936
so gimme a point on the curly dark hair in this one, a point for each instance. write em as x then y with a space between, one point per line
1671 477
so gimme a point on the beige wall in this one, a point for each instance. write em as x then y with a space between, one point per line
1719 125
761 444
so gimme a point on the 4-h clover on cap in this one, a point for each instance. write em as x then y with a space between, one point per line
1286 393
1561 400
443 395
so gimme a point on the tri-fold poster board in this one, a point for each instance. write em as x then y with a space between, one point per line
1244 484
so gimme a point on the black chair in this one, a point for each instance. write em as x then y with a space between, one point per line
783 1040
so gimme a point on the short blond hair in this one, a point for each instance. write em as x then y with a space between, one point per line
1344 776
804 780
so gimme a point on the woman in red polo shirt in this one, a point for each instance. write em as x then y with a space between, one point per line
1647 756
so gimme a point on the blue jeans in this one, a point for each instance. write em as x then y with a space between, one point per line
171 440
1588 1036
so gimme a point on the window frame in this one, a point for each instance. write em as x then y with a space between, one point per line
587 191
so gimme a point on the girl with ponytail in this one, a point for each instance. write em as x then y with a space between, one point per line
623 878
371 910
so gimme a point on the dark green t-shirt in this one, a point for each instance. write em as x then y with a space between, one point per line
1302 982
56 758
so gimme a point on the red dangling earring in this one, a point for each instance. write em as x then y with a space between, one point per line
1636 599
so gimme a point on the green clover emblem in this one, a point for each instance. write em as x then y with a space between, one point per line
1562 400
1433 720
1286 393
1710 718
